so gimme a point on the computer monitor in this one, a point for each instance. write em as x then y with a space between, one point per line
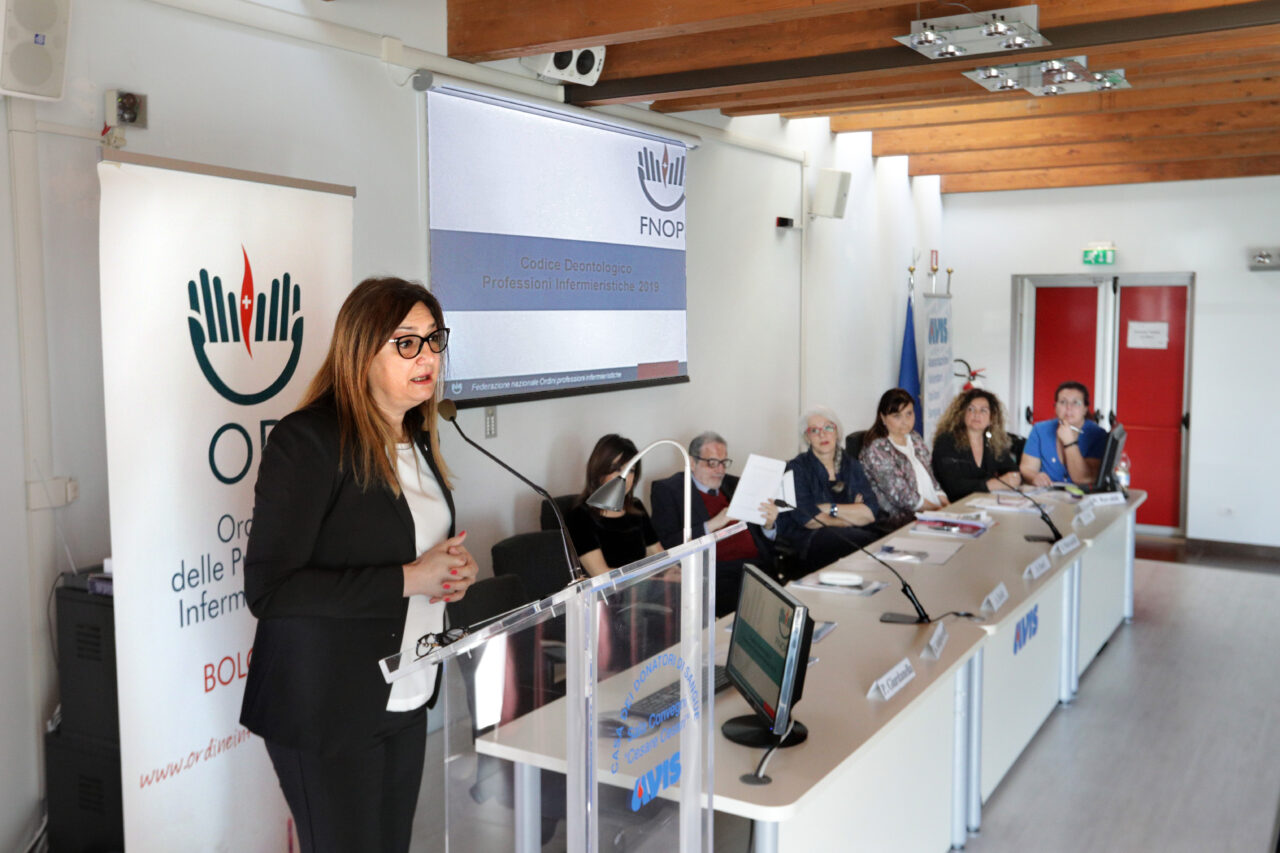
1106 479
768 656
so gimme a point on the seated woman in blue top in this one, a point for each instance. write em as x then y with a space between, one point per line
1067 448
609 540
835 506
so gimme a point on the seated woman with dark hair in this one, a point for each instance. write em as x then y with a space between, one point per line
971 450
897 461
835 506
609 540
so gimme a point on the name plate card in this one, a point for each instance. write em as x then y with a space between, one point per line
996 598
1038 567
1065 545
937 641
1084 517
892 681
1103 499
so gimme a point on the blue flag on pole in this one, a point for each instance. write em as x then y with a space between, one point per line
909 365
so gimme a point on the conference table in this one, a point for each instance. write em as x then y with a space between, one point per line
912 771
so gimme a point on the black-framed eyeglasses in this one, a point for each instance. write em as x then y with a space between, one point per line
714 463
410 345
428 643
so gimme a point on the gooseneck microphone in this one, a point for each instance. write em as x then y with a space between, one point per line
896 618
1044 516
448 410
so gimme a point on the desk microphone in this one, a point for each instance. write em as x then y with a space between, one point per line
896 618
1031 537
448 410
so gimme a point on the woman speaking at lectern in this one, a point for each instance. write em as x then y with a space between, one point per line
351 558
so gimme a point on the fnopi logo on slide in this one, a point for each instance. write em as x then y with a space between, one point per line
662 178
247 344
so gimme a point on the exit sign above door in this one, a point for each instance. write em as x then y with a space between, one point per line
1099 257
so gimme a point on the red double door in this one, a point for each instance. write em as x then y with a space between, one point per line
1132 352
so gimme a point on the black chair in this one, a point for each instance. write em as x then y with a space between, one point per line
1016 445
547 518
853 443
487 598
536 558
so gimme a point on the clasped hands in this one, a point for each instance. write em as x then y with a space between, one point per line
442 573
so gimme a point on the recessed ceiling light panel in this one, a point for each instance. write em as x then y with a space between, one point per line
979 32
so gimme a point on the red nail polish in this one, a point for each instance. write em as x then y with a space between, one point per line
453 571
446 586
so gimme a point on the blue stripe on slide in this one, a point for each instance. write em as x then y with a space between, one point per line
473 271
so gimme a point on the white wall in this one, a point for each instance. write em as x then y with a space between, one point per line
224 94
1202 227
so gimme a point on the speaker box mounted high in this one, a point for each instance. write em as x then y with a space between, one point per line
830 193
582 66
33 52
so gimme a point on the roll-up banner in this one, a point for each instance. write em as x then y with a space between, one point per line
219 291
939 383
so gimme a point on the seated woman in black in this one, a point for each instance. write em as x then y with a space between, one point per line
835 506
609 540
971 450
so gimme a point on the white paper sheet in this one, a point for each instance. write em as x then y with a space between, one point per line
764 479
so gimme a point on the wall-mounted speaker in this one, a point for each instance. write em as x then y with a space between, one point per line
33 52
830 193
582 66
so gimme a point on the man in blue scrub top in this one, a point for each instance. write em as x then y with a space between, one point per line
1068 448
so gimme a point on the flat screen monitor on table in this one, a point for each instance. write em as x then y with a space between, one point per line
768 656
1106 479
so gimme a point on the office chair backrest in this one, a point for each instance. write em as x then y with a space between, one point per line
547 518
853 443
536 558
486 598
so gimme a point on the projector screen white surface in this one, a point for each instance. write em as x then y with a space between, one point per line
557 250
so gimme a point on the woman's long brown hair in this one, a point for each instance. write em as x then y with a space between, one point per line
366 321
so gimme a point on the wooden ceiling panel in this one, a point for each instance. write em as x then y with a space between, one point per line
481 30
1097 102
844 33
1130 173
1154 150
1080 129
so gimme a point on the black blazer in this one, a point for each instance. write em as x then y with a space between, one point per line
666 497
954 467
323 575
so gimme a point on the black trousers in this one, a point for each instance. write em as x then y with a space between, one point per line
359 801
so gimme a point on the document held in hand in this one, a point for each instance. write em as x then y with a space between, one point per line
763 480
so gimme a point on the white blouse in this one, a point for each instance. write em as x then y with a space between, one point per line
430 526
924 480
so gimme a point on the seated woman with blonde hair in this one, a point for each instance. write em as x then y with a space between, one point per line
897 461
971 450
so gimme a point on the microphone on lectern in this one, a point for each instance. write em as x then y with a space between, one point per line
448 410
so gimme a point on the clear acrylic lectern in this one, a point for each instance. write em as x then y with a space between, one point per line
542 748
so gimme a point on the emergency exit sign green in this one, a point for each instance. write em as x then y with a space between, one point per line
1099 257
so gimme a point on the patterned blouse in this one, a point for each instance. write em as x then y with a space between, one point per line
892 477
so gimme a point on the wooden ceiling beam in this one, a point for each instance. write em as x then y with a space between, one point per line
1089 102
1166 29
1214 51
1092 176
1157 150
832 34
482 30
1214 69
1075 130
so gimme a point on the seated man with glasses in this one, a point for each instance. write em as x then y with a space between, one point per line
836 508
714 487
1067 448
